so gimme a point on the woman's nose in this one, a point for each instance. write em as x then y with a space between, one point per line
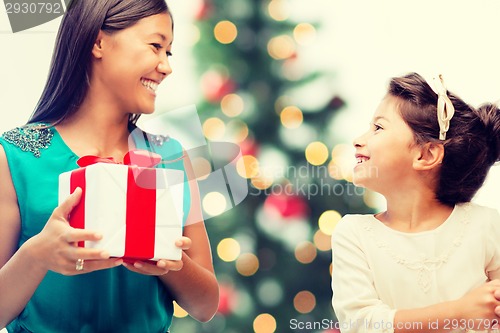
164 66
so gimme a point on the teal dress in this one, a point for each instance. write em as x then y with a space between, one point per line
112 300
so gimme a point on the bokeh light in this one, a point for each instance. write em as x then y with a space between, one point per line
278 10
291 117
232 105
201 167
342 163
281 47
264 323
304 33
328 221
247 264
225 32
247 166
305 252
228 249
179 312
322 241
270 292
304 301
214 203
214 128
262 182
316 153
237 130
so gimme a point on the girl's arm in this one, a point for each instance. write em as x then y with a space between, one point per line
359 308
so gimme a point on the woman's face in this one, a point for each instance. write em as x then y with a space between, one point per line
129 64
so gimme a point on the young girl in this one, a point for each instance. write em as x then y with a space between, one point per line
431 261
109 58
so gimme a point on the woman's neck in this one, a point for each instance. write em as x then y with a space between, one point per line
96 130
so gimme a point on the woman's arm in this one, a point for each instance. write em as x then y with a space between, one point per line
192 279
22 271
195 286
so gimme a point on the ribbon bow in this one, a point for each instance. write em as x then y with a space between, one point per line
141 158
445 108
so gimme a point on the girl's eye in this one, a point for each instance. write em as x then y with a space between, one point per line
169 54
376 127
156 46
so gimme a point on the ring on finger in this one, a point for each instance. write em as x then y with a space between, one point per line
79 264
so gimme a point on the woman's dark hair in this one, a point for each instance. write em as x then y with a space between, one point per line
70 70
472 142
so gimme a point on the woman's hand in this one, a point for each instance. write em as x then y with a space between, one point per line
55 247
162 266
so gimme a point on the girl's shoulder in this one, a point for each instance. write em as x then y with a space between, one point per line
353 223
482 215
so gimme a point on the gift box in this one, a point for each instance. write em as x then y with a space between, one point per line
137 208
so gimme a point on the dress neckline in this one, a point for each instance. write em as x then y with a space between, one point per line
454 213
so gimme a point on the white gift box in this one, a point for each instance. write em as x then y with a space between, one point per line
139 211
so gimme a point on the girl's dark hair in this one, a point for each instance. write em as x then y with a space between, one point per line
472 142
70 70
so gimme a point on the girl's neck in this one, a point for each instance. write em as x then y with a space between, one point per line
414 212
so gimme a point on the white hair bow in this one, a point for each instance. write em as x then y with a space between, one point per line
445 108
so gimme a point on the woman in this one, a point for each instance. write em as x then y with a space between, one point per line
109 58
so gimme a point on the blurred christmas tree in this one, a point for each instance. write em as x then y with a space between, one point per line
272 252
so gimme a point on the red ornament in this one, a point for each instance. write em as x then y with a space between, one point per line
249 147
227 298
286 205
204 10
215 86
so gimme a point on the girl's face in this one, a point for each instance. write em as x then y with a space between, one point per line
131 63
385 152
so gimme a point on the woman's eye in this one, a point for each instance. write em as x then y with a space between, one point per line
169 54
156 46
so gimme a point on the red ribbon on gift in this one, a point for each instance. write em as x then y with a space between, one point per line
141 200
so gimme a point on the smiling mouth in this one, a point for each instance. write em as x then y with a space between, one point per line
151 85
361 159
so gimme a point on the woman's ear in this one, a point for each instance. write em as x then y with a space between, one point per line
97 50
429 156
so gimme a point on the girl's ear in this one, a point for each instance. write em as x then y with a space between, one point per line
429 156
97 50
